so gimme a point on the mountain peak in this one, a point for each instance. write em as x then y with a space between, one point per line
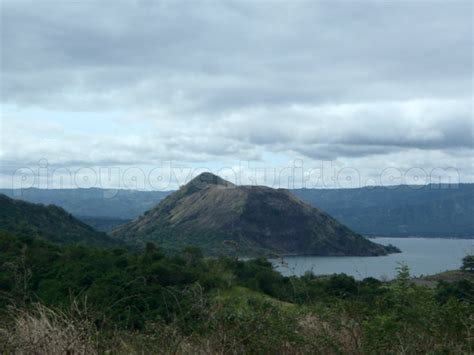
207 179
211 212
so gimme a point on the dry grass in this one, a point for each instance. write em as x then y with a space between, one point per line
41 330
343 335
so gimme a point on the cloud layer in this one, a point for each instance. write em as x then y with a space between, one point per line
354 82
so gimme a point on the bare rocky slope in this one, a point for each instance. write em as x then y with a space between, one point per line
222 218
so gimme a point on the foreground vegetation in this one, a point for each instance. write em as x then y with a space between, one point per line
84 300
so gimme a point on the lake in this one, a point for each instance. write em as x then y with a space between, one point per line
424 256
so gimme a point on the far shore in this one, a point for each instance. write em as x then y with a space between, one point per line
415 236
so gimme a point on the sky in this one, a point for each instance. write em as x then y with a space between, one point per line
147 94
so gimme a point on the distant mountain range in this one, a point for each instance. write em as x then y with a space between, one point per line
222 218
121 204
398 211
50 223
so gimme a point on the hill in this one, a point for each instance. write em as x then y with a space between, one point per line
395 211
49 223
94 202
400 211
220 217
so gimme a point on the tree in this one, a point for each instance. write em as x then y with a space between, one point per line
468 263
192 255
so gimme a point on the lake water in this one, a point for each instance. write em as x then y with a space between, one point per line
424 256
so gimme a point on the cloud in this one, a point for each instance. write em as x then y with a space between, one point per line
223 81
218 56
321 132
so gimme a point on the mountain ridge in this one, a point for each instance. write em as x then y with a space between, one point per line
48 222
397 211
427 211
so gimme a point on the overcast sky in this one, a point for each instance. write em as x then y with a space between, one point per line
357 86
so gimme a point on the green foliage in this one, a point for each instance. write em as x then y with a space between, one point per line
151 302
103 224
50 223
468 263
462 290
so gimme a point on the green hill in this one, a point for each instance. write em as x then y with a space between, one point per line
94 202
50 223
222 218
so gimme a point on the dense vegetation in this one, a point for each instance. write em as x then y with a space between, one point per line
103 224
223 218
95 300
50 223
427 211
468 263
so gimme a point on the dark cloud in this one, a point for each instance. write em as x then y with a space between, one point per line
229 55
